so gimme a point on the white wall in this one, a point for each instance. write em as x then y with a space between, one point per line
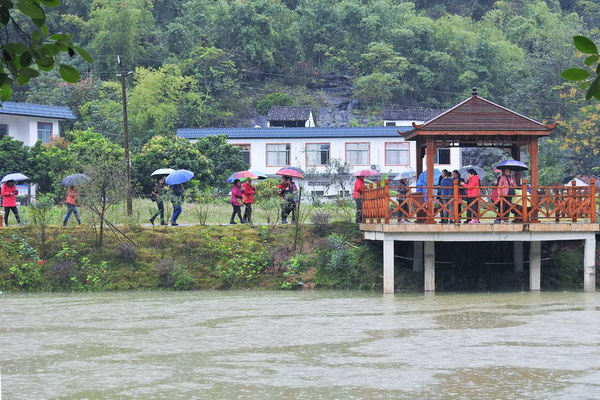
25 128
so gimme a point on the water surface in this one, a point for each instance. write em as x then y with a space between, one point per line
300 345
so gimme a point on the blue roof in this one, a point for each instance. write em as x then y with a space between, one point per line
36 110
285 133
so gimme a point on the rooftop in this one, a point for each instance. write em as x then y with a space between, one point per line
36 110
289 113
285 133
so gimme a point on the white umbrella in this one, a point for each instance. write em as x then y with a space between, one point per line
162 171
14 177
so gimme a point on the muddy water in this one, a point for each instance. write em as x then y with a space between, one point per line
300 345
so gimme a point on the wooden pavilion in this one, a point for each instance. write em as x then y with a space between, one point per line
540 213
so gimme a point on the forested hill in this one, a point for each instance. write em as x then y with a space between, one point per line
200 63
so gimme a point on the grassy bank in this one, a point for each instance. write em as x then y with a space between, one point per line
187 258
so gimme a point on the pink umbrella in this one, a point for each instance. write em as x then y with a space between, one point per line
366 172
290 171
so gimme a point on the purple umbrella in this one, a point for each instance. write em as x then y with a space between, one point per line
514 165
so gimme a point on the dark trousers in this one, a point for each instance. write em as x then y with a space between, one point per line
288 207
71 209
15 212
237 210
248 212
358 202
176 212
160 212
472 208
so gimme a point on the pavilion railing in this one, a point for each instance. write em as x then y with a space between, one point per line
386 203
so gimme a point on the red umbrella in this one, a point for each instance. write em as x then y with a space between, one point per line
366 172
291 171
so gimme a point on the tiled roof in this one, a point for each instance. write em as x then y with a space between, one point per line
479 114
416 114
36 110
289 113
281 133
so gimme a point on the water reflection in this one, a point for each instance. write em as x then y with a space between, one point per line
300 345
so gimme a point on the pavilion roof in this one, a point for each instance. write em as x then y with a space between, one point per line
481 118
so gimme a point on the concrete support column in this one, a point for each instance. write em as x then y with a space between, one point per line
418 257
535 266
429 250
518 256
388 266
589 264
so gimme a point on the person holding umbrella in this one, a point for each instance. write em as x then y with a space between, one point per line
357 193
506 190
9 201
236 201
157 196
71 202
174 180
248 199
286 192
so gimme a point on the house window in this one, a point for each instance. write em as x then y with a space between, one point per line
245 150
44 131
390 123
3 130
278 155
442 156
317 154
357 153
397 153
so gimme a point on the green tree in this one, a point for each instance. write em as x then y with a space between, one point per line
169 152
13 157
273 99
224 159
28 47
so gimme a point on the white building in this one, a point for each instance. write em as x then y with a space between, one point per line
378 147
30 122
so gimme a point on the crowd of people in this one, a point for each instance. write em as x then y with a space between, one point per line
468 193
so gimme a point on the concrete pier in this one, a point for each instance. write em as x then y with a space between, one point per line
425 236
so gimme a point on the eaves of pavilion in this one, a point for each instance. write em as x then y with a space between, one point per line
477 122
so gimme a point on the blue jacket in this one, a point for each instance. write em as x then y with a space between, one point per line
447 185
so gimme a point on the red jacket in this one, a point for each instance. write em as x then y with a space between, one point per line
9 198
472 187
249 191
72 195
358 188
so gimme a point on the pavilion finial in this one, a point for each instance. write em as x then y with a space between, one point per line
474 93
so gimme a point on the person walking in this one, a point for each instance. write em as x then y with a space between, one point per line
236 201
472 187
177 200
71 202
248 199
357 193
157 195
9 201
287 187
506 190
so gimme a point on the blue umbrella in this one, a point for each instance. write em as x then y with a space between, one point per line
179 176
406 174
75 179
512 164
422 180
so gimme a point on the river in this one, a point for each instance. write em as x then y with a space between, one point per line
300 345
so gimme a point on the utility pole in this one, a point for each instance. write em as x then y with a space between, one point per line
122 75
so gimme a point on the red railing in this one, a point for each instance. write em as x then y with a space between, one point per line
385 203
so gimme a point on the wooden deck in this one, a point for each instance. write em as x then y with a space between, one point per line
532 215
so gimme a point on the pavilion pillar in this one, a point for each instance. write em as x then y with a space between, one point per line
429 250
533 162
388 266
430 155
535 266
589 264
418 256
515 153
518 256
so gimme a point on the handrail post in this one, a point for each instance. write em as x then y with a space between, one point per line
455 206
573 201
524 211
593 201
386 202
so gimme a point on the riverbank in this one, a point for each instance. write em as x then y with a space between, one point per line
197 257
